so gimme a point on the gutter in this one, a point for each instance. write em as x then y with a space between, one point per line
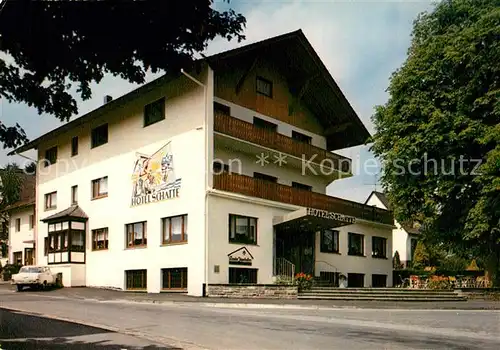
207 189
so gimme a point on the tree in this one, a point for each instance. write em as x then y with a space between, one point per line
55 45
421 256
10 190
438 135
30 168
396 261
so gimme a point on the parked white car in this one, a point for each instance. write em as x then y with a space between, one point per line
34 277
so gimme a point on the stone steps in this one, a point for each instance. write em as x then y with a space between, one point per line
380 294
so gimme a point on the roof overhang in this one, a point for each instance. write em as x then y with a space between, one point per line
312 219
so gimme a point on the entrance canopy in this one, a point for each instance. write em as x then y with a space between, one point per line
312 219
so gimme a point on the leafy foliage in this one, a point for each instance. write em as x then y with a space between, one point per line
421 257
441 121
10 190
396 261
59 45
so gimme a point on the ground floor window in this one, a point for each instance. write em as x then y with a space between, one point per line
136 279
29 256
356 280
332 278
17 258
174 278
238 275
379 281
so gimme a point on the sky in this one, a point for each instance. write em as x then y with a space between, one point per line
361 42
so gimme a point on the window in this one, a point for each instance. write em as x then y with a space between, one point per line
74 195
264 87
136 279
77 241
100 188
222 109
329 241
238 275
242 229
51 200
18 224
18 258
356 244
74 146
301 137
154 112
219 167
46 246
136 234
301 186
265 177
264 124
174 278
379 281
50 156
379 247
100 239
32 221
99 136
356 280
175 229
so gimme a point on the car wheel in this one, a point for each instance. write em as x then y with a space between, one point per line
19 287
44 285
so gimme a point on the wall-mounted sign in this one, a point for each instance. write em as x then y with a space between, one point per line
240 257
330 215
154 177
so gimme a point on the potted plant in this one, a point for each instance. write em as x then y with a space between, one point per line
303 281
342 281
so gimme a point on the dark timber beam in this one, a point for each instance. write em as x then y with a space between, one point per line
245 74
302 91
337 128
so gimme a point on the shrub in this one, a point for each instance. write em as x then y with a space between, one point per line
396 261
439 282
283 281
303 281
9 270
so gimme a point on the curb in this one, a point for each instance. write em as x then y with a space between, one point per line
162 340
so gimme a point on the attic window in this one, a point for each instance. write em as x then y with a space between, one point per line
154 112
264 87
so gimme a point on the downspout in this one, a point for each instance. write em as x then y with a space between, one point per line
205 92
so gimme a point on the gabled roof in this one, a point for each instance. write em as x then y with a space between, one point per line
73 212
299 62
407 226
381 197
27 195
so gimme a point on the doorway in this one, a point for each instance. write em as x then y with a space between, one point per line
298 248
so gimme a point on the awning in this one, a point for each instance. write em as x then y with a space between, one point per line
312 219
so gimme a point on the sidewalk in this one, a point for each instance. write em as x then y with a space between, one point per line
103 295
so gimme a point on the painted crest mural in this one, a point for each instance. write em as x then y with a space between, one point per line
154 178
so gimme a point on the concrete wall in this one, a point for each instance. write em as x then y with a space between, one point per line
26 233
184 127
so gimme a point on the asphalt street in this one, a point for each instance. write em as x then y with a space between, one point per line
196 326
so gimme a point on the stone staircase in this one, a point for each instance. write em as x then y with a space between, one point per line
380 294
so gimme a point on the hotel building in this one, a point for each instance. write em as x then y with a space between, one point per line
213 175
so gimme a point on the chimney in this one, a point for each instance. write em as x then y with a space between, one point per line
107 99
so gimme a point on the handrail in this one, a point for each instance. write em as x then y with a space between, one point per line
284 269
324 262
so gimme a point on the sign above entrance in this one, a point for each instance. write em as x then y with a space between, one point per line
240 257
330 215
154 177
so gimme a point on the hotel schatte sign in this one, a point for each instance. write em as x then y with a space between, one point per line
154 177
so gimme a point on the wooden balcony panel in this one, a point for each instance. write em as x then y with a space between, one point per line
252 187
240 129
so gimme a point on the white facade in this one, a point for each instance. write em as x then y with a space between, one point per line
21 235
402 240
188 146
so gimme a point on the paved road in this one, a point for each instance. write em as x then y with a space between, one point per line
200 327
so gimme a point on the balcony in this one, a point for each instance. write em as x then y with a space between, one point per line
253 187
243 130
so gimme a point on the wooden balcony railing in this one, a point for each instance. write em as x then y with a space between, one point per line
253 187
243 130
